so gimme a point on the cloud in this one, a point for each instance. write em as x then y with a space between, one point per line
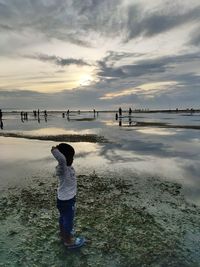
4 27
182 93
149 24
24 99
131 70
79 21
71 21
147 42
113 56
195 37
58 60
143 67
144 89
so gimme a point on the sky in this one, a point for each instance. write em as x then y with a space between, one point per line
85 54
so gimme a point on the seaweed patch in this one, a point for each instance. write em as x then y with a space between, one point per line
123 221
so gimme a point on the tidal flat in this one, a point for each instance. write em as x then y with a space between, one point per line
127 222
138 198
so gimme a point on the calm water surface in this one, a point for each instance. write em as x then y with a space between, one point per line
169 153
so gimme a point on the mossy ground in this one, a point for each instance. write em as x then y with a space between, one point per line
122 227
91 138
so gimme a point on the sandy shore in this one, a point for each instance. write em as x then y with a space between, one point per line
134 221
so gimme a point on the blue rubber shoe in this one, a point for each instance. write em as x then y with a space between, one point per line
78 242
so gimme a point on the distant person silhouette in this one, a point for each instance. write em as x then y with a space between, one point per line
68 118
22 116
130 111
120 111
45 115
26 116
34 113
1 116
129 121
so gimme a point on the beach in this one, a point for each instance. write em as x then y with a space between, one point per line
138 191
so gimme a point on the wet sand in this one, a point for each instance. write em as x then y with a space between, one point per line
164 125
127 222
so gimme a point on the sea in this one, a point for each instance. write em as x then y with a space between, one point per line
153 144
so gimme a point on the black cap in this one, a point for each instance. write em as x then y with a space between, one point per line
67 150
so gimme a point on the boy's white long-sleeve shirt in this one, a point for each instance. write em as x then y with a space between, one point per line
67 179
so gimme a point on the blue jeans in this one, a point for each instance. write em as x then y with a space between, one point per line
66 209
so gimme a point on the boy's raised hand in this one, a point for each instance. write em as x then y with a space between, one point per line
53 147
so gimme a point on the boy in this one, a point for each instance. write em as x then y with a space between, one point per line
66 194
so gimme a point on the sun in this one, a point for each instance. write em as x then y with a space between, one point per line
85 79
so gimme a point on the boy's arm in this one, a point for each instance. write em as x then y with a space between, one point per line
58 156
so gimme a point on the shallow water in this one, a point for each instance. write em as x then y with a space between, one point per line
169 153
165 221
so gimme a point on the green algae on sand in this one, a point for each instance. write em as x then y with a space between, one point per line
136 222
91 138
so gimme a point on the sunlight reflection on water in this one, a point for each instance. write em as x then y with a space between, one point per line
168 153
156 131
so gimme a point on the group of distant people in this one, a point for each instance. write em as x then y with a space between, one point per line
119 115
24 116
67 113
36 114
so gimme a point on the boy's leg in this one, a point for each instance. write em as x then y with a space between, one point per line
68 220
61 211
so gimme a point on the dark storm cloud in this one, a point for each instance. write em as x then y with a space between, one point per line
58 60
